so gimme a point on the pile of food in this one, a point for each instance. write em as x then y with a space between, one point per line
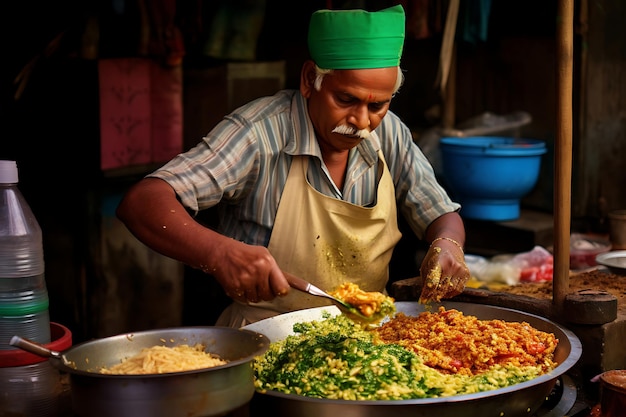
372 304
435 354
163 359
458 344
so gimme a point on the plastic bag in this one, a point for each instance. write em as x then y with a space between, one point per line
491 271
536 265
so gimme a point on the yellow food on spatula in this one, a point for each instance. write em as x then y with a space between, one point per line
369 303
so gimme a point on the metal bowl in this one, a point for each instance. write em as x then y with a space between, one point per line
520 400
199 393
615 261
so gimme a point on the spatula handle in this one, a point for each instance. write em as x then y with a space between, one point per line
32 347
297 282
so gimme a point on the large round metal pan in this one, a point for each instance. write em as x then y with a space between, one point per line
520 400
199 393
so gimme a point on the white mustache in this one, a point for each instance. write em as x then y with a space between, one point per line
350 131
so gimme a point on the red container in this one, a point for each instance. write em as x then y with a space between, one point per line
61 339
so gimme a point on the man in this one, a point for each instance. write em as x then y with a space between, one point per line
307 182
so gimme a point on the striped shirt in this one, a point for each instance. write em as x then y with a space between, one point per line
242 166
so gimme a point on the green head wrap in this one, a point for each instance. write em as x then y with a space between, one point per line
356 39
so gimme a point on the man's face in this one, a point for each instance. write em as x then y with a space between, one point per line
348 102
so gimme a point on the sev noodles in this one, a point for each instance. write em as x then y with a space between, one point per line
163 359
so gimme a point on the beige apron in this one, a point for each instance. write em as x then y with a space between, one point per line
327 242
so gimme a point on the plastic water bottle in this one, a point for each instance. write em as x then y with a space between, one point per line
23 293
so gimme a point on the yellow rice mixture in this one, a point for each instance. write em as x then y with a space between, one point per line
455 343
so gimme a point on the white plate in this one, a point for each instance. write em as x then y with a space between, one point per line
614 260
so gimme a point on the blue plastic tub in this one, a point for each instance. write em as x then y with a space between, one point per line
490 175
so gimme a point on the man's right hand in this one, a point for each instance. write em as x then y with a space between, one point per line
248 273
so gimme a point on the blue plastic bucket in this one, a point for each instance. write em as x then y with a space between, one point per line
490 175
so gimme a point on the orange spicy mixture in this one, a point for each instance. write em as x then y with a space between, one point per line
454 343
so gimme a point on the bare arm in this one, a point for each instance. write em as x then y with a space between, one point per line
443 271
151 211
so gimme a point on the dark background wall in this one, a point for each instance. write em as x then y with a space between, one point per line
101 282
